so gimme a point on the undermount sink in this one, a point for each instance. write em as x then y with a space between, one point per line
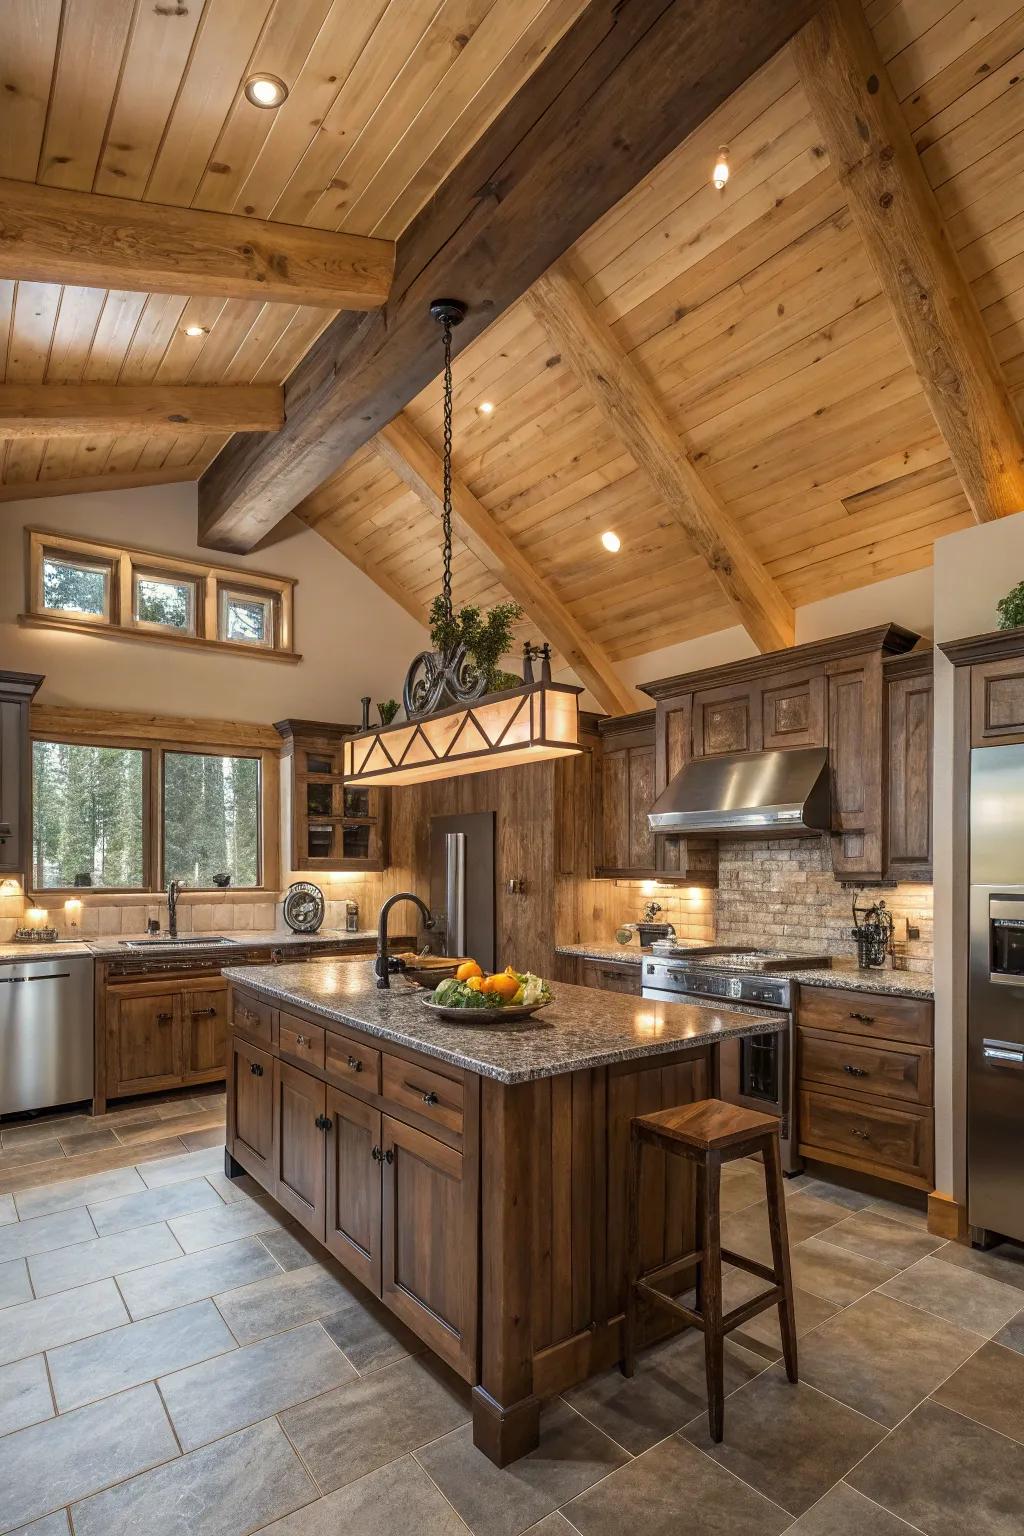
203 941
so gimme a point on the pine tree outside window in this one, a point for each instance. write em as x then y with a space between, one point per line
87 817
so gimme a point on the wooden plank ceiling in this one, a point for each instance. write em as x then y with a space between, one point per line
141 100
754 314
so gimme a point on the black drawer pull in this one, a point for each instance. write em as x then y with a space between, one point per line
377 1154
860 1135
203 1013
164 1018
355 1064
323 1122
255 1069
301 1039
863 1018
389 1156
856 1071
431 1098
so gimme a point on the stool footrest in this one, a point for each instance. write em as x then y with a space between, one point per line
687 1313
740 1261
673 1267
751 1308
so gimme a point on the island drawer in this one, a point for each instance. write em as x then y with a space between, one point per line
253 1018
350 1061
434 1097
873 1014
299 1041
886 1071
894 1141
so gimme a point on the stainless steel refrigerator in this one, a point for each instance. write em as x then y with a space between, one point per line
462 891
995 1068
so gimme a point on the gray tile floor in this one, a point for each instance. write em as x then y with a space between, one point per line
176 1358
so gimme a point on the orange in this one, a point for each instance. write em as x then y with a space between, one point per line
475 983
504 986
467 970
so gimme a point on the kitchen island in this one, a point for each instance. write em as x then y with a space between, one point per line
473 1176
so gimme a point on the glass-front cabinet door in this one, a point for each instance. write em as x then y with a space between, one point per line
333 828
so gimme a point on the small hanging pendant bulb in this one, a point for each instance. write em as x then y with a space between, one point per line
720 174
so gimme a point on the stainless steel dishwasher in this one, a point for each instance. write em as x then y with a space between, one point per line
46 1031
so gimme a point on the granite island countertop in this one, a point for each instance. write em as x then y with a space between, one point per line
582 1028
843 972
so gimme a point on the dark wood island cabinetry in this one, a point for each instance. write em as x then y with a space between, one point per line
472 1177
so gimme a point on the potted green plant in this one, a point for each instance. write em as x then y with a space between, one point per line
1011 608
487 637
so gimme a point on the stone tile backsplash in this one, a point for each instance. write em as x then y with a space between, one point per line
782 894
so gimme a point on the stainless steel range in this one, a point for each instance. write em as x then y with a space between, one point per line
759 1072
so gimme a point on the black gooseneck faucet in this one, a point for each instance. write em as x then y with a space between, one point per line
385 964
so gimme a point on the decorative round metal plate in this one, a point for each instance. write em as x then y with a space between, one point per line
303 907
485 1015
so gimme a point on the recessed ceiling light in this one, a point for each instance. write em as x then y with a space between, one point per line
485 408
197 330
720 174
265 90
611 542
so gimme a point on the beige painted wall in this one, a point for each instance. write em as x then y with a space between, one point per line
354 640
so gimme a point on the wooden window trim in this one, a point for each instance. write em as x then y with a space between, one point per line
141 572
119 623
64 553
154 735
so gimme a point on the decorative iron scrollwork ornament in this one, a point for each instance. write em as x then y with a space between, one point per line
434 680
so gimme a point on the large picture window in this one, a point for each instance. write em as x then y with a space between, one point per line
88 817
133 815
211 819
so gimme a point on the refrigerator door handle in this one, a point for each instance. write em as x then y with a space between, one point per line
1003 1053
455 892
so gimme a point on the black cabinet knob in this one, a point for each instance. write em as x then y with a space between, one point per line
355 1065
860 1135
164 1018
323 1122
255 1069
377 1154
430 1098
389 1156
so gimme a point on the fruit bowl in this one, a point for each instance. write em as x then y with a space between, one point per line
485 1016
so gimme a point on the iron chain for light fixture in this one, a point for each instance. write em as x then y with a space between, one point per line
446 513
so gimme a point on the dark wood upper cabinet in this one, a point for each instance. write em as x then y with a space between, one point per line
829 693
909 690
17 690
330 827
627 787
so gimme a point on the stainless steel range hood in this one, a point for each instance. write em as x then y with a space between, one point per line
749 793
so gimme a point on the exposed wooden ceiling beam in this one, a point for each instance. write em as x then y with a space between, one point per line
76 410
415 462
50 235
891 200
633 413
623 87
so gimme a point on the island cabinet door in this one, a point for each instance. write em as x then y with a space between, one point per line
429 1260
250 1114
354 1159
300 1113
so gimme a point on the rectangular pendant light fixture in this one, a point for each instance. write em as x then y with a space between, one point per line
523 725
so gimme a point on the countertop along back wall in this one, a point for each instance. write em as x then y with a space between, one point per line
353 639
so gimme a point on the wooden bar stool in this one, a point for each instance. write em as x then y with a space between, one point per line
710 1133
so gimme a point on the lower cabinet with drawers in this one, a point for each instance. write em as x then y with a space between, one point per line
374 1153
865 1065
